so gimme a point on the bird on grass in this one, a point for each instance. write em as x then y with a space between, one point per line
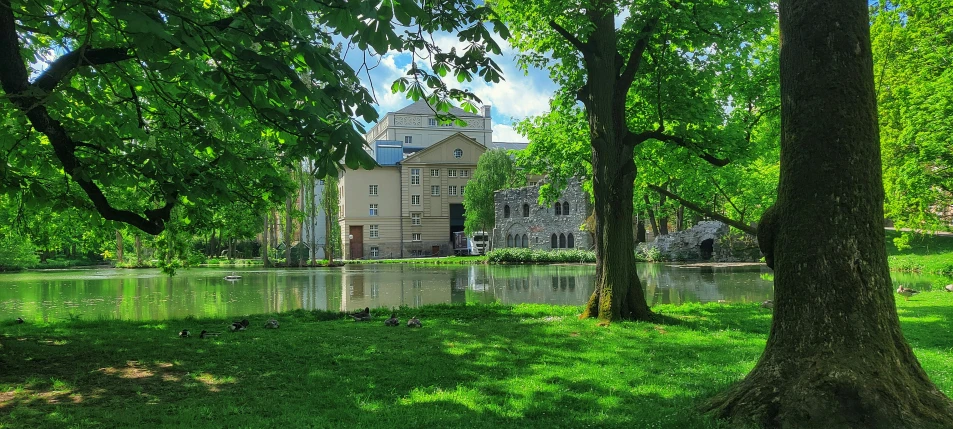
362 316
906 292
949 288
206 334
239 326
271 324
20 319
414 322
767 304
393 321
185 333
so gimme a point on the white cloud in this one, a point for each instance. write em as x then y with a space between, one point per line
506 133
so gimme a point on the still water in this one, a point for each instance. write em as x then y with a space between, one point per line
204 292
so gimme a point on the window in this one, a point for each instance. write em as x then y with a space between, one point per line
509 240
451 173
432 122
415 236
506 211
558 208
562 241
457 153
565 208
415 177
435 190
434 172
554 242
464 173
375 231
415 218
375 252
452 190
372 190
525 240
571 243
415 200
462 189
373 210
525 210
408 139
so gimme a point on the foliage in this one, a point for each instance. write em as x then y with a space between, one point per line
914 81
931 254
16 253
647 253
547 358
495 171
330 203
136 108
538 256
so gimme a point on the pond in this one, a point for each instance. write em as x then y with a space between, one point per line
205 293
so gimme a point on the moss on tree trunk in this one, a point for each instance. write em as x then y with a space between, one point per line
836 357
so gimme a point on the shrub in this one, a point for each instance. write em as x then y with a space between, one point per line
17 253
525 255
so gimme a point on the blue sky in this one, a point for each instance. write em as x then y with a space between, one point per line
518 96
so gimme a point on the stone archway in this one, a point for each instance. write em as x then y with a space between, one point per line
706 248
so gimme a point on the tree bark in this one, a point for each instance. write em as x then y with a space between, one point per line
652 223
836 356
618 293
138 251
118 247
680 218
264 240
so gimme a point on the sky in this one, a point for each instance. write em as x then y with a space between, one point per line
519 95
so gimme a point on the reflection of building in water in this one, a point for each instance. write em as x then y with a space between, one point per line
559 285
370 286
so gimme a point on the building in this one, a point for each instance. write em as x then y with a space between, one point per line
416 126
522 222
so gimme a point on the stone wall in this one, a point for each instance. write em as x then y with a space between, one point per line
706 241
541 222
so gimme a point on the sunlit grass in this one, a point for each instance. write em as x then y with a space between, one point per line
476 366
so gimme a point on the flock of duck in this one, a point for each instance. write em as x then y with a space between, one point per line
241 325
365 316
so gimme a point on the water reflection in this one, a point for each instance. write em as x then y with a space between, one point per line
150 295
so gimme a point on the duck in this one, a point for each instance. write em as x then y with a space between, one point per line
271 324
239 326
20 319
362 316
414 322
185 333
205 334
907 292
767 304
949 288
393 321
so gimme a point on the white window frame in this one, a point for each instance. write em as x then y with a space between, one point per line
464 173
432 122
414 176
451 172
408 139
452 190
434 172
375 252
434 190
415 236
415 219
372 190
462 189
373 210
374 231
415 200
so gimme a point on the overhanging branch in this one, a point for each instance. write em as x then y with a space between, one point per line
637 139
572 39
695 208
64 65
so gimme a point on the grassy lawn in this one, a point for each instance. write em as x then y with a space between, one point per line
474 366
930 254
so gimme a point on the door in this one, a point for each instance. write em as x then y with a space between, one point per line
356 236
435 250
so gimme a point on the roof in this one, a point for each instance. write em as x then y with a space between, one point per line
420 107
441 143
508 145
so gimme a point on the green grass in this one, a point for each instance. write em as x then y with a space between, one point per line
930 254
443 260
474 366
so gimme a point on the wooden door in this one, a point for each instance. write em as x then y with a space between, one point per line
357 243
435 250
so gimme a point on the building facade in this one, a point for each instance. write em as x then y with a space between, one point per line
416 126
522 222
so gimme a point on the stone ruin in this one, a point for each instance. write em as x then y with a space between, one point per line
706 241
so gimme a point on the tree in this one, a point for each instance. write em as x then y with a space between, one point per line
170 102
330 203
836 356
495 171
651 81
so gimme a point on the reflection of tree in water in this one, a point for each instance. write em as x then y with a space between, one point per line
674 284
552 284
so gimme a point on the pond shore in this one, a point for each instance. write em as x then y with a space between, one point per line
477 366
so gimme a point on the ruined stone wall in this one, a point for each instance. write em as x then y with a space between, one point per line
706 241
539 223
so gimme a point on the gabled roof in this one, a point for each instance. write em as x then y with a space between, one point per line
420 107
443 142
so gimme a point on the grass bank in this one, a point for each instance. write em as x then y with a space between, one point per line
930 254
473 366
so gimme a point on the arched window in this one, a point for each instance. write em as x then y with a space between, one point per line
525 210
553 242
565 208
558 208
562 241
506 210
509 240
525 240
571 243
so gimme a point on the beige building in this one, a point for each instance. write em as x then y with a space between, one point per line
410 204
416 126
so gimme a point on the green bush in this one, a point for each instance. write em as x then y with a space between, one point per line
17 253
648 254
536 256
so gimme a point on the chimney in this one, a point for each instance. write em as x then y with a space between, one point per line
486 110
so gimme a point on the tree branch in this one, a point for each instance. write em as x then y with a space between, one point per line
64 65
635 57
658 134
572 39
695 208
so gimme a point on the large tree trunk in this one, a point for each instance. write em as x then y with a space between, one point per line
618 294
652 223
835 357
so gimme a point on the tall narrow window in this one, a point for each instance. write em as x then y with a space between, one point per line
435 190
525 240
434 172
562 241
509 240
452 190
432 122
565 208
415 219
506 211
558 208
463 189
414 176
554 242
372 190
415 200
525 210
571 243
375 231
373 211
